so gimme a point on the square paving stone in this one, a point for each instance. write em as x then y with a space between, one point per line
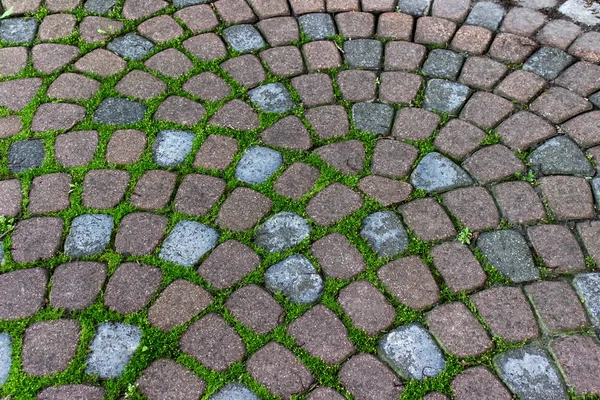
238 258
131 287
403 56
328 121
206 47
493 163
18 30
258 164
385 191
399 87
384 233
357 85
255 308
458 266
337 256
212 342
96 29
104 188
355 25
296 278
458 139
395 25
487 15
512 129
117 111
434 31
89 234
65 392
367 307
415 123
507 251
519 202
22 293
375 118
317 26
568 197
418 8
10 197
453 10
36 239
511 49
246 70
160 29
393 159
112 348
320 55
216 152
243 38
197 194
474 207
558 33
170 62
24 155
49 346
10 126
235 12
76 285
180 110
314 89
436 173
410 281
296 181
443 64
131 46
178 303
300 7
153 190
560 155
332 204
279 31
558 105
272 97
137 9
478 383
287 133
523 21
478 110
99 6
198 18
17 93
187 243
243 209
427 219
14 60
284 61
57 26
482 73
166 379
366 377
558 247
125 147
141 85
445 96
348 156
208 86
586 47
363 53
100 62
588 289
584 129
582 77
578 357
282 231
548 62
521 86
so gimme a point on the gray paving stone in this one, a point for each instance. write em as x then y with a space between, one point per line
18 30
188 242
112 348
595 99
170 148
89 234
243 38
258 164
187 3
595 184
5 359
437 173
385 233
296 278
272 97
317 26
131 46
443 64
417 8
581 11
487 15
25 154
530 373
117 111
588 288
99 6
508 252
374 118
411 352
234 391
445 96
548 62
282 231
560 156
363 53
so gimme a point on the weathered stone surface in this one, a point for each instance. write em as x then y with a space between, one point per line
18 30
415 123
5 359
243 38
36 239
333 203
508 252
255 308
66 392
11 197
493 163
131 46
458 266
281 232
367 307
288 133
89 234
22 292
258 164
578 357
347 156
511 130
296 278
297 180
272 97
234 391
436 173
187 243
560 156
474 207
239 259
385 233
112 348
588 288
445 96
76 285
363 53
385 191
104 188
165 378
337 256
216 152
444 64
478 383
487 15
558 247
170 148
568 197
427 220
367 377
116 111
410 281
131 287
518 202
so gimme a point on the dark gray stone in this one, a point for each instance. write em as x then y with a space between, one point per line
272 97
188 242
234 391
411 352
89 234
588 288
99 6
595 183
445 96
507 251
548 62
5 358
18 30
384 233
363 53
296 278
437 173
317 26
243 38
258 164
530 374
117 111
187 3
417 8
1 254
172 147
26 154
487 15
374 118
281 232
112 348
131 46
443 64
560 156
595 99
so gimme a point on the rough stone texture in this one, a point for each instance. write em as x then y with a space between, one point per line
434 31
436 173
482 73
586 47
328 121
487 15
479 383
583 77
486 110
208 86
255 308
558 105
493 163
367 307
112 348
296 278
337 256
588 289
14 60
141 85
22 293
206 47
99 6
18 30
321 55
511 130
234 391
279 31
558 247
317 26
445 96
49 193
348 156
153 190
444 64
49 58
410 281
363 53
272 97
508 252
521 86
474 208
519 202
471 39
70 86
104 188
36 239
170 62
76 285
10 126
89 234
235 115
385 191
288 133
66 392
160 29
357 85
239 259
584 129
170 147
198 18
95 29
57 116
281 232
458 266
131 47
284 61
458 139
166 379
216 152
297 180
100 62
11 197
125 147
588 232
258 164
116 111
568 197
131 287
197 193
578 357
314 89
333 203
355 25
415 123
243 209
75 149
384 233
17 93
395 25
187 243
324 393
559 33
548 62
243 38
427 220
366 377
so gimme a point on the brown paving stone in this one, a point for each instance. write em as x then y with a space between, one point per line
415 123
50 57
100 62
284 61
385 191
140 233
300 7
432 30
75 149
395 25
519 202
208 86
332 204
507 313
482 73
403 56
355 25
36 239
279 370
279 31
314 89
131 287
255 308
589 232
334 6
511 49
153 190
521 86
165 379
558 104
216 152
457 330
368 378
486 110
160 29
67 392
22 292
198 18
377 6
479 383
427 219
524 129
297 180
246 70
70 86
471 39
104 188
587 47
49 193
21 6
178 303
558 33
367 307
584 129
56 26
523 21
458 139
228 263
399 87
61 5
10 126
582 77
337 256
17 93
348 156
10 198
557 306
320 55
287 133
243 209
141 85
57 116
458 266
493 163
137 9
410 281
328 121
393 158
49 346
557 246
76 285
234 11
579 357
197 194
436 396
453 10
170 62
324 393
474 207
206 47
568 197
95 29
357 85
180 110
125 147
12 60
212 342
237 115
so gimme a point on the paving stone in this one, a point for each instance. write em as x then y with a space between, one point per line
355 25
137 9
17 93
258 164
131 47
278 369
14 60
57 116
243 209
445 96
560 156
399 87
435 396
321 55
212 342
314 89
95 29
410 281
348 156
18 30
443 64
434 31
395 25
478 109
216 152
584 129
415 124
357 85
530 373
436 173
471 39
75 149
487 15
322 334
76 285
207 86
49 346
458 139
375 118
140 233
69 86
332 204
170 62
10 126
512 129
511 49
10 197
523 21
507 251
141 85
458 266
337 256
482 73
279 31
328 121
5 359
36 239
100 62
284 61
197 194
477 383
548 62
334 6
453 10
557 246
297 180
587 287
282 231
180 110
363 53
89 234
427 220
23 291
246 70
112 348
117 111
234 391
557 305
187 243
377 6
166 379
324 393
385 191
586 47
296 278
384 233
49 193
131 287
582 77
558 105
364 376
411 352
568 197
240 261
206 47
243 38
21 7
198 18
66 392
235 115
255 308
403 56
235 12
300 7
160 29
317 26
558 33
56 26
578 357
587 232
272 97
392 158
493 163
518 202
99 6
125 147
104 188
172 147
287 133
367 307
418 8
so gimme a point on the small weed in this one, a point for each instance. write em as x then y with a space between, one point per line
528 177
465 236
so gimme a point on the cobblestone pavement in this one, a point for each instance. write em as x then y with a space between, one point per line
307 199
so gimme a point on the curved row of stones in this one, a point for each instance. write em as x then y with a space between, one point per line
469 177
